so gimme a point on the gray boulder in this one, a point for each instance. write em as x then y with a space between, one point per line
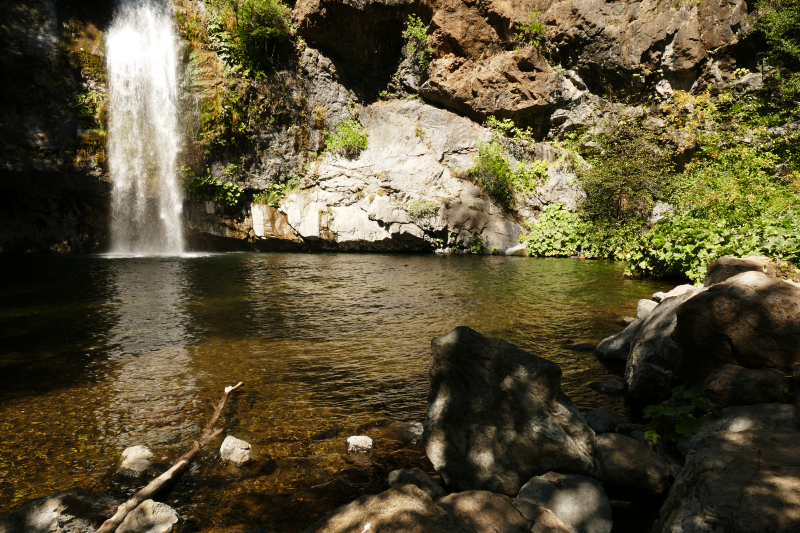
726 267
618 347
235 451
485 512
578 501
626 463
73 511
136 461
602 420
741 477
644 308
418 478
401 509
151 517
496 416
677 291
654 355
751 320
731 385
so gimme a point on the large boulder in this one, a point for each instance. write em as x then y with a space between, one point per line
401 509
418 478
751 320
742 475
73 511
486 512
726 267
731 385
578 501
654 355
496 416
616 348
629 464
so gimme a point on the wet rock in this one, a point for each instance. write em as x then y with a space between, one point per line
359 444
602 420
654 355
401 509
520 250
234 451
743 476
485 512
618 347
750 319
644 308
609 387
418 478
496 415
73 511
726 267
151 517
413 433
626 463
731 385
136 461
677 291
578 501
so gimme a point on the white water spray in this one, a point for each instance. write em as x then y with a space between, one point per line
144 140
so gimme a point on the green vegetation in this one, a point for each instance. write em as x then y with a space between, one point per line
475 245
421 209
678 416
507 128
531 32
348 138
90 108
495 175
277 191
208 188
245 33
779 23
417 48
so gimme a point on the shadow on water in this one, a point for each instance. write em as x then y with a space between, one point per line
98 354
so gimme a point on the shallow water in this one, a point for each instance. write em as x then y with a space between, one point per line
100 353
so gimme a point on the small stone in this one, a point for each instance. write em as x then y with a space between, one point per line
136 460
419 479
610 387
578 501
644 308
150 517
234 451
664 89
359 444
602 420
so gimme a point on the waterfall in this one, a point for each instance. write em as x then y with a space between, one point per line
144 139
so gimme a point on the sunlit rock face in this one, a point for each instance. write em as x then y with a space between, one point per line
144 138
496 416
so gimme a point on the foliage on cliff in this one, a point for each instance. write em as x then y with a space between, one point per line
347 139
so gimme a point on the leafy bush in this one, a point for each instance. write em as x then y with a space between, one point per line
348 138
422 209
475 245
276 192
495 175
208 188
531 32
507 128
416 36
90 108
244 30
678 416
779 22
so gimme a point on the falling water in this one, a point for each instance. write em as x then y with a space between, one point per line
142 56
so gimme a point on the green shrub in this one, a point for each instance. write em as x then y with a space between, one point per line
348 139
495 175
417 48
507 128
779 22
475 245
208 188
678 416
531 32
421 209
277 191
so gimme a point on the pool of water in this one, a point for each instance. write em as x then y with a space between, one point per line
101 353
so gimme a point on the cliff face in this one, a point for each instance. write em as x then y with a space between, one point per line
264 133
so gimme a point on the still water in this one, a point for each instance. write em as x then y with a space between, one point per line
100 353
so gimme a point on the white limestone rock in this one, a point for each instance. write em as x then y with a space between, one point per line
235 451
359 444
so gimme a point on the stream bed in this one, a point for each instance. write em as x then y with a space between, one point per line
99 353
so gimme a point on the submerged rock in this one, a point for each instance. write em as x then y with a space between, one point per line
731 385
401 509
741 475
496 416
235 451
609 387
628 464
418 478
359 444
151 517
73 511
136 461
578 501
485 512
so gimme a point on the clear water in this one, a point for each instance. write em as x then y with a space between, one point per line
143 134
100 353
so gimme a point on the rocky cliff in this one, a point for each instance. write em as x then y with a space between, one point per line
407 190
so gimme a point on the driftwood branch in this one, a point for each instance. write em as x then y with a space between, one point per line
171 475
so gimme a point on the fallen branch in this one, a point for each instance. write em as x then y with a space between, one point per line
171 475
